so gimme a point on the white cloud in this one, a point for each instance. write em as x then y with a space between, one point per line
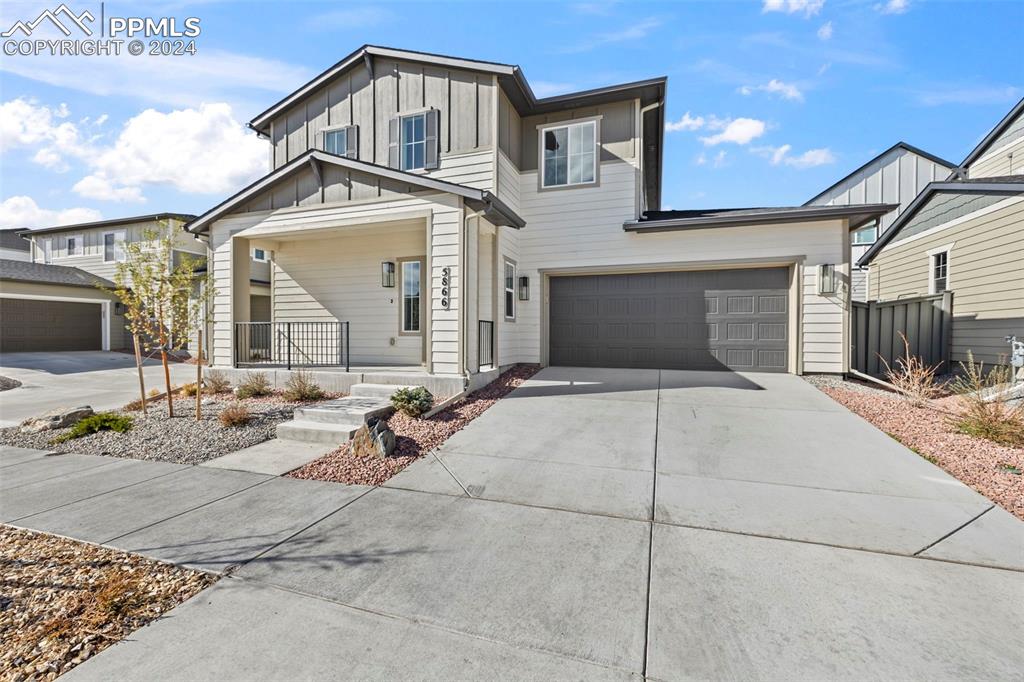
823 68
809 159
825 31
635 31
719 160
737 131
701 159
687 122
967 94
25 123
203 151
893 7
22 211
808 7
775 87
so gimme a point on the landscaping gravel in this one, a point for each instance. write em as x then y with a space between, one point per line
63 601
7 383
415 437
993 470
181 439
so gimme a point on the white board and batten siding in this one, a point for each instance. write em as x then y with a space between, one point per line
582 228
445 219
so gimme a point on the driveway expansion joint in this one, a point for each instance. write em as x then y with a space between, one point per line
955 530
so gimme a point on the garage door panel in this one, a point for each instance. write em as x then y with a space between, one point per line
43 325
678 320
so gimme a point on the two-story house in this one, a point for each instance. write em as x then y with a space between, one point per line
963 234
430 213
54 302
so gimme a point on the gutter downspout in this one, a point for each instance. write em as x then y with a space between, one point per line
643 183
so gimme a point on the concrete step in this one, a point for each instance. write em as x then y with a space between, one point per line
376 390
317 432
353 409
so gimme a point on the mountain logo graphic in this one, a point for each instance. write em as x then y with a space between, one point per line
52 16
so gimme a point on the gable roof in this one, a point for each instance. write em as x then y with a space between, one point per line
113 222
11 239
667 221
1008 185
509 76
493 208
993 135
899 145
42 273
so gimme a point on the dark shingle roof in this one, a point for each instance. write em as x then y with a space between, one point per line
41 273
659 221
10 239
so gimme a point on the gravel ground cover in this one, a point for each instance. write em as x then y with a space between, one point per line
63 601
7 383
180 439
415 437
993 470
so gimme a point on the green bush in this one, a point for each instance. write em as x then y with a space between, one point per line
412 401
300 387
254 385
101 421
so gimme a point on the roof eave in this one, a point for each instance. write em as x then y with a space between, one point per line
858 215
184 217
975 153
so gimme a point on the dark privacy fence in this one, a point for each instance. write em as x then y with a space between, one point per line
292 344
926 321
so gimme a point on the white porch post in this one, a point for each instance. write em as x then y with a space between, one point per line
240 312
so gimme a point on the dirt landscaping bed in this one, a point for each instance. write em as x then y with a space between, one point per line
181 439
415 437
64 601
996 471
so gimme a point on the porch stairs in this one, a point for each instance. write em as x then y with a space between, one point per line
336 421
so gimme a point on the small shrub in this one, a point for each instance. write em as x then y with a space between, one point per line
983 413
235 414
153 392
912 378
133 406
412 401
301 387
216 381
189 389
254 385
101 421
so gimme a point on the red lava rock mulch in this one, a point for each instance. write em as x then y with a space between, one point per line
981 464
415 437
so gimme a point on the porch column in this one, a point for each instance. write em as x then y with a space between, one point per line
240 262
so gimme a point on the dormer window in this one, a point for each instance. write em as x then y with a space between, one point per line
413 141
569 154
342 140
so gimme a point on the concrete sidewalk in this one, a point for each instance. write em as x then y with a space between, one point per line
594 524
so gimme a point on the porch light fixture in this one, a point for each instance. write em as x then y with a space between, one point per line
387 274
826 279
524 288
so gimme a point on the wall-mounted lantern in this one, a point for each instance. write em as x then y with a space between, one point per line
524 288
826 279
387 275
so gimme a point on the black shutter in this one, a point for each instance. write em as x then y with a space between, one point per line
393 142
352 142
430 154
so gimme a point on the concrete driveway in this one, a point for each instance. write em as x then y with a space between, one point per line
595 524
101 379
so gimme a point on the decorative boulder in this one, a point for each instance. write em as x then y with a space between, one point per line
374 439
56 419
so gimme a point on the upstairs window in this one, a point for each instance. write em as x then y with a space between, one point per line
413 141
75 245
569 154
940 272
342 141
865 235
46 249
113 246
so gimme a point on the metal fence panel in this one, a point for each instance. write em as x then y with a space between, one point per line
292 344
926 321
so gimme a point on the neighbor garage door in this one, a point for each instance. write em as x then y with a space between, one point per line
714 319
30 325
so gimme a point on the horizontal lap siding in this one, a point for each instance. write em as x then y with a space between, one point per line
986 274
472 170
1000 162
583 228
508 182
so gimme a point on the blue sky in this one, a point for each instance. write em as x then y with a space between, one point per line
769 102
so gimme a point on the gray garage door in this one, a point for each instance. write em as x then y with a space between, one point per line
715 319
28 325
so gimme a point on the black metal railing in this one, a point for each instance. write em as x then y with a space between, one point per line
292 344
485 341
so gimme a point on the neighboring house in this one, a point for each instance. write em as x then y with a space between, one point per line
896 176
457 223
965 235
12 246
76 258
